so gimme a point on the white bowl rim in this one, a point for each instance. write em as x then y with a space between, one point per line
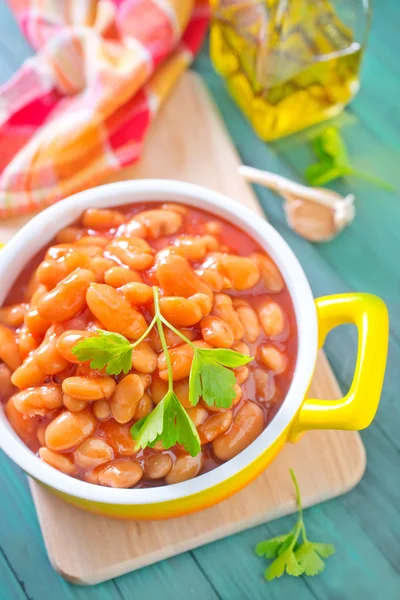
42 228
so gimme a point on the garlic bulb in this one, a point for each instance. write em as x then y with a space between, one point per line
317 214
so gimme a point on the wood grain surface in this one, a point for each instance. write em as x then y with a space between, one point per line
326 463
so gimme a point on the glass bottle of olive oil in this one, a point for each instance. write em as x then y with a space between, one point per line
289 63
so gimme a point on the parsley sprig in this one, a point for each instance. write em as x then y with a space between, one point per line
210 378
334 162
169 422
291 555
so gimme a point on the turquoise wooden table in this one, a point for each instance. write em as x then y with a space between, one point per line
364 524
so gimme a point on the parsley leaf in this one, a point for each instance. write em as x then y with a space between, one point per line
210 379
285 562
323 172
228 358
334 161
168 423
324 550
330 146
308 557
290 555
270 548
289 542
107 348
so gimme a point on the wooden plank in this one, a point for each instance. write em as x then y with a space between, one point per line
11 588
237 574
327 463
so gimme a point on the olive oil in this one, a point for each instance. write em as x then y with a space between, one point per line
287 63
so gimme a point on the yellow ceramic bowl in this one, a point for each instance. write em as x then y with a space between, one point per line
297 414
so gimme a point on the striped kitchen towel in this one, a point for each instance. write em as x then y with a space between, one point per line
79 109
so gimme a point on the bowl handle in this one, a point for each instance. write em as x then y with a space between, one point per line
357 409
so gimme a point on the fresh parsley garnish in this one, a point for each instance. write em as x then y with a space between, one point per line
210 379
289 554
334 162
106 348
168 423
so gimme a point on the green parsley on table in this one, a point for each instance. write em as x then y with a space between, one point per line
210 378
291 555
334 162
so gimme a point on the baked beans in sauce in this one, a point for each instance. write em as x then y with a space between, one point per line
97 273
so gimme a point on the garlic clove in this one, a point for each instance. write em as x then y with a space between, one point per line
317 214
318 222
314 222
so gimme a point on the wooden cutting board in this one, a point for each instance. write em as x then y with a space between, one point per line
189 142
